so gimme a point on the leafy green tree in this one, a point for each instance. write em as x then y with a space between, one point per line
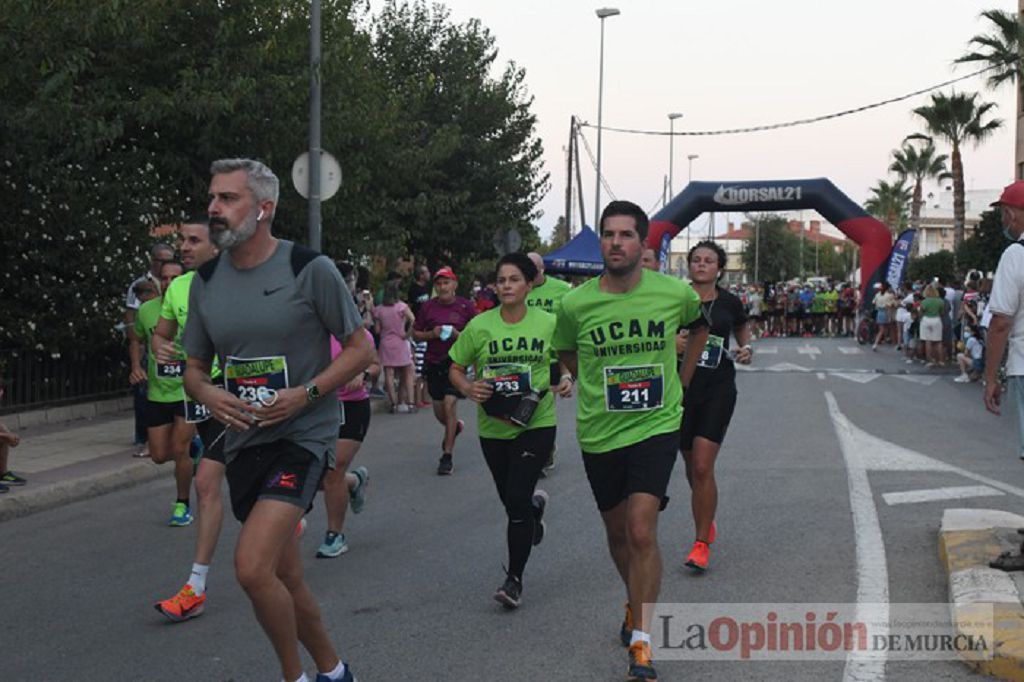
889 203
113 111
469 164
958 119
771 252
1003 48
981 251
938 264
918 165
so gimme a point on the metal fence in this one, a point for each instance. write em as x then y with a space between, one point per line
35 379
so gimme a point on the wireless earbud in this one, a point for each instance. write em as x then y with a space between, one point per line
260 216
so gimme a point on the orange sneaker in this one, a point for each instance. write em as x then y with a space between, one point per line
699 556
640 665
182 606
626 630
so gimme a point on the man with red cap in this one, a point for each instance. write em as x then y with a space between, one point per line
1007 325
439 322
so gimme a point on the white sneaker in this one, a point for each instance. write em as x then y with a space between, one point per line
402 408
962 379
909 361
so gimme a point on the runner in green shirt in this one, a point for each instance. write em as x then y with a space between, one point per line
509 347
547 295
196 249
168 433
619 331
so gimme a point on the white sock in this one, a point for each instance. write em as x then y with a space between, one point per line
197 579
301 678
337 673
639 636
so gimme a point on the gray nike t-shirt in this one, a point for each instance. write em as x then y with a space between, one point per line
271 328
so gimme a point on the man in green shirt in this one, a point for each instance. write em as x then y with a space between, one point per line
616 333
168 433
196 249
547 295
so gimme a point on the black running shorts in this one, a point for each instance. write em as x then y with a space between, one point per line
438 385
355 419
162 414
280 470
707 414
644 467
210 432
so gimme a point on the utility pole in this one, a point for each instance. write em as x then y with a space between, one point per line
568 179
314 126
757 251
579 178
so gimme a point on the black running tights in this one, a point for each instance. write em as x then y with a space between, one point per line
516 465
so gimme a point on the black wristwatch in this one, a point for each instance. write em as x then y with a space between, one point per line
312 392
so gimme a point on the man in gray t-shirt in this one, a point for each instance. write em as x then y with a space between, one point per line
266 309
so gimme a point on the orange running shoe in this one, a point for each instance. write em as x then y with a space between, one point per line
699 556
626 631
640 665
182 606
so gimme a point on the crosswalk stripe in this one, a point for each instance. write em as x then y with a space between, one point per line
936 494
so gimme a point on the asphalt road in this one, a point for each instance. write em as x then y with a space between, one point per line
412 599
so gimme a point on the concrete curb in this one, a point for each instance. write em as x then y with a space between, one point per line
17 421
41 498
968 540
35 497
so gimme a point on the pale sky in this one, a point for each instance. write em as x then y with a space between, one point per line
739 63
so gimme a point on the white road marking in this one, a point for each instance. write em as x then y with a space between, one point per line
850 350
872 571
857 377
809 350
821 376
787 367
766 350
922 379
936 494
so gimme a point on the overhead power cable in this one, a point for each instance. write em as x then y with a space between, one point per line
790 124
593 162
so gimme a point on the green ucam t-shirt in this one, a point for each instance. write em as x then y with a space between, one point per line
548 297
175 308
165 381
516 357
629 388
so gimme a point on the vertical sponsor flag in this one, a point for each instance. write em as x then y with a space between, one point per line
899 259
663 253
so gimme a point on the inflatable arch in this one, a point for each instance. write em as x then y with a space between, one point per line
818 194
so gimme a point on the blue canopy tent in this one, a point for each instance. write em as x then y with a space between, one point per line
581 256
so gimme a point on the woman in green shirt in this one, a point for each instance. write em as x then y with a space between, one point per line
509 348
931 325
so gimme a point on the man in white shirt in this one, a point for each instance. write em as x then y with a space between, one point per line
1007 327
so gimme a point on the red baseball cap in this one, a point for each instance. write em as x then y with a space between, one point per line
446 272
1013 196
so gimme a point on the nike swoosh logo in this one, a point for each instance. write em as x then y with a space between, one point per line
268 292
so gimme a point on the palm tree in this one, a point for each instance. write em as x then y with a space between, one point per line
920 165
1002 49
958 119
889 203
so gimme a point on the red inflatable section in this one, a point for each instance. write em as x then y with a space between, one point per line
875 243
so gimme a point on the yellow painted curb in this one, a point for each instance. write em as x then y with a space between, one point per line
967 549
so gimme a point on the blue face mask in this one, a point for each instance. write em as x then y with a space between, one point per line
1008 235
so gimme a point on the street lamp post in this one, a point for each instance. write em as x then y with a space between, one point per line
602 14
671 154
689 178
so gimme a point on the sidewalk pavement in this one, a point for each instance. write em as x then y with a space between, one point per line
80 459
968 540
